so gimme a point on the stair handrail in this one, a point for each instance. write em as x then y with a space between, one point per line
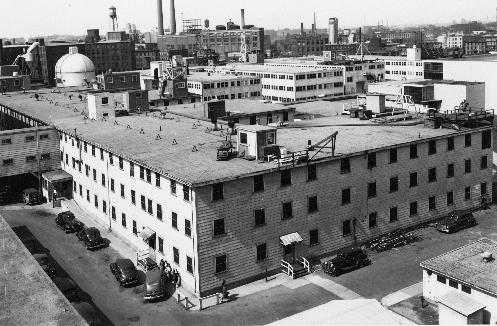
289 268
306 264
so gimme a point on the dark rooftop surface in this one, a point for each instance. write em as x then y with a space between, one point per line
466 265
185 150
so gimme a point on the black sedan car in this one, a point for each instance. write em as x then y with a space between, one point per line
155 286
125 271
91 238
67 222
456 220
68 288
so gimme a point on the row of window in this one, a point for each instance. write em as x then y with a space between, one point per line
8 141
29 158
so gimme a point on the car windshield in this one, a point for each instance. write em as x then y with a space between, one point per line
68 218
93 233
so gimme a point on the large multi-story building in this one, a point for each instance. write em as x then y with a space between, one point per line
232 220
112 55
454 41
407 38
308 44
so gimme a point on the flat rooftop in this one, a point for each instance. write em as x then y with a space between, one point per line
465 264
31 298
270 69
183 149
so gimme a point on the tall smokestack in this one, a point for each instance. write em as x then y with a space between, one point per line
312 28
243 18
173 18
160 26
302 29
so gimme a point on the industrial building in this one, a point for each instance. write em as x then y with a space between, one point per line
462 282
286 195
405 37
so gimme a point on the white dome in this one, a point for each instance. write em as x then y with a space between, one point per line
74 69
76 62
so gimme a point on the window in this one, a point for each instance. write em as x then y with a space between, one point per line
113 212
371 160
345 196
450 143
312 204
93 150
287 210
453 284
467 140
483 162
261 251
104 207
157 180
188 228
94 175
173 187
243 138
103 180
133 197
465 288
450 170
189 265
121 164
393 155
135 231
111 159
186 193
286 177
112 185
217 191
122 79
131 169
371 189
441 279
123 220
31 158
345 165
483 188
372 219
221 264
432 147
311 172
149 176
394 184
73 163
467 166
176 255
8 161
432 203
413 208
6 141
313 237
96 201
75 190
101 154
346 230
161 245
88 195
159 211
413 179
260 216
450 198
432 175
467 193
174 220
142 173
394 214
413 151
27 138
149 207
122 189
219 227
258 183
486 139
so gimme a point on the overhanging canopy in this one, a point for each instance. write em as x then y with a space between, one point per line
146 234
57 176
290 238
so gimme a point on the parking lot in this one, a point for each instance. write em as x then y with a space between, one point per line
390 271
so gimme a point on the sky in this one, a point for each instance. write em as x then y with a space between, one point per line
30 18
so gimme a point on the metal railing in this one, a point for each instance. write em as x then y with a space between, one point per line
287 268
306 264
200 300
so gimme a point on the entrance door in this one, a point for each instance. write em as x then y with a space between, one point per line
289 253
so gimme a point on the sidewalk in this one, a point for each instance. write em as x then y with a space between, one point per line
406 293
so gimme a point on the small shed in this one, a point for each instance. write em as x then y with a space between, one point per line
256 140
458 308
58 180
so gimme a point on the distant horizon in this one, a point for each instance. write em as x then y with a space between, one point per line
74 17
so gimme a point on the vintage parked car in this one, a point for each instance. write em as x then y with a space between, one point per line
346 260
87 312
456 220
31 196
44 262
68 288
91 238
155 285
125 271
67 222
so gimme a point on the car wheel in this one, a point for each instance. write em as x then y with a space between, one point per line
338 272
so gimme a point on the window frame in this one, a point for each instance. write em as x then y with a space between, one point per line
257 251
413 208
285 178
346 226
372 191
214 228
216 264
313 236
312 173
218 191
393 217
372 220
257 183
393 156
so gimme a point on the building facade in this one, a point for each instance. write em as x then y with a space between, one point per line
112 55
407 38
229 88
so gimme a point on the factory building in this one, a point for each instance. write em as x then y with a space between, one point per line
283 200
407 38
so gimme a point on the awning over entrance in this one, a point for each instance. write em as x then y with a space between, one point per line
290 238
146 234
57 176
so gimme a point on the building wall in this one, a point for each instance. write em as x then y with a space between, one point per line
158 194
15 84
453 94
403 69
237 207
448 316
308 44
131 81
17 147
116 56
433 289
245 87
